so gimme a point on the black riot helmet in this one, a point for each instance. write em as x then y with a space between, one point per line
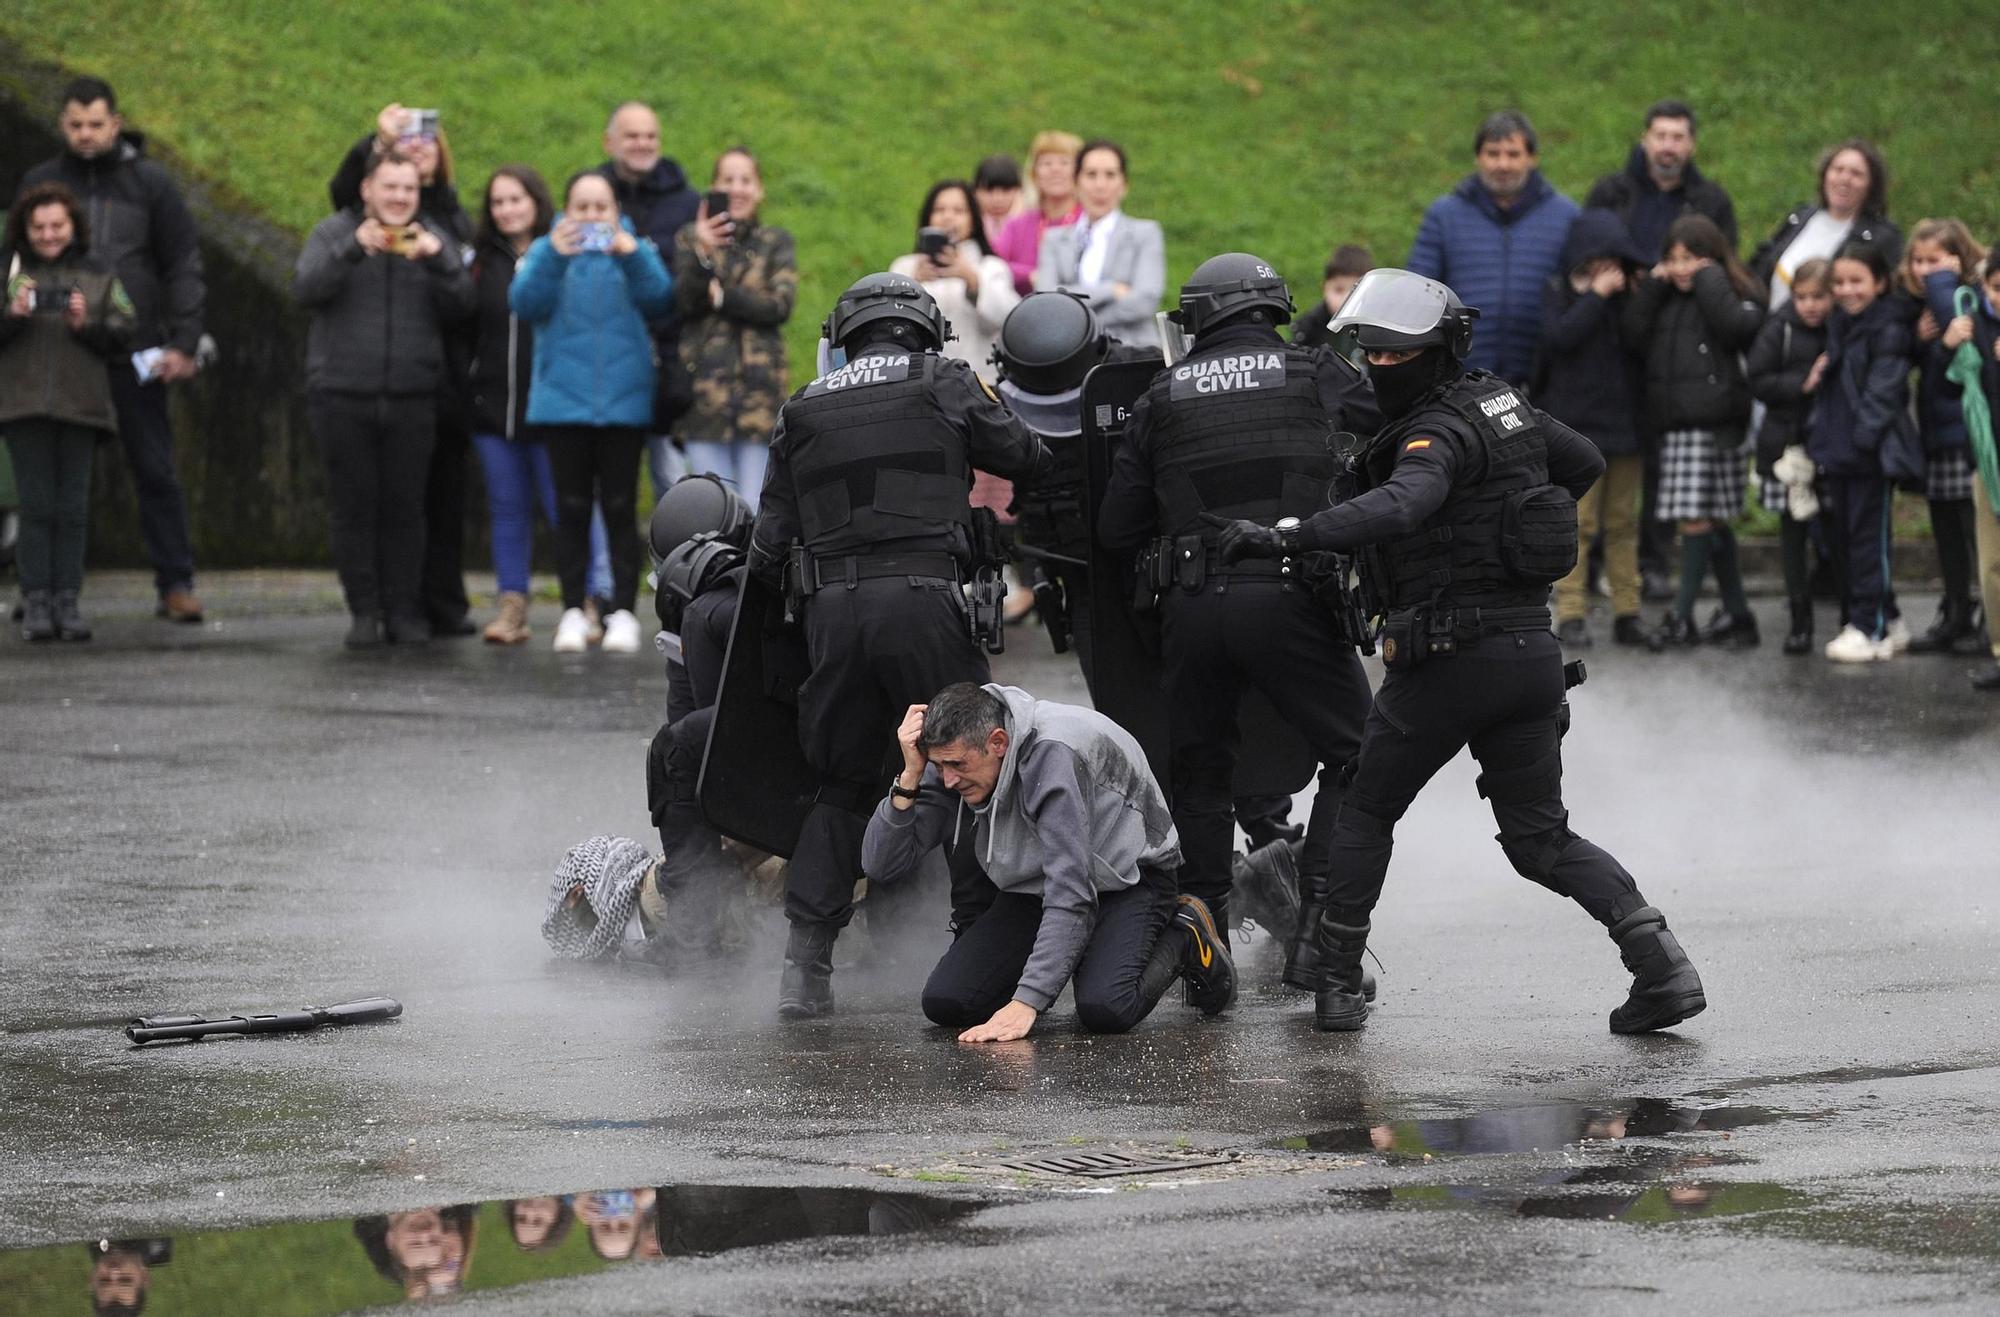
693 505
875 298
1225 286
692 568
1049 343
1394 310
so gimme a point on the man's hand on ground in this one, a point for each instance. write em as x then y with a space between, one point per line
1008 1023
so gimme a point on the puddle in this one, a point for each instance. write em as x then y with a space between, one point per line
1582 1196
313 1267
1544 1128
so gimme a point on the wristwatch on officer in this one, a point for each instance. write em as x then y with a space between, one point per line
1288 535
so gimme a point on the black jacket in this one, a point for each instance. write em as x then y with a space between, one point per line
1878 229
1940 415
1311 330
1778 362
378 320
1586 374
1690 342
1647 212
140 227
503 346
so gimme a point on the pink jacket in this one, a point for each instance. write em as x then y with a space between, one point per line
1020 243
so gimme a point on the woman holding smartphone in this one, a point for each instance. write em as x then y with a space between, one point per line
736 280
973 287
588 289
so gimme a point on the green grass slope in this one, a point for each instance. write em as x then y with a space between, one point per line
1281 128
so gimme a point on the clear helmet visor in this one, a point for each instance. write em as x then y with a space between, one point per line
829 357
1388 304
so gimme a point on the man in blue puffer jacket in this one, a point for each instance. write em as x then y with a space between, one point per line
1494 239
588 288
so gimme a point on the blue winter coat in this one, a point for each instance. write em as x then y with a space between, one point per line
1496 260
593 356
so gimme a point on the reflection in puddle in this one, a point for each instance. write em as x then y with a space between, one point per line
316 1267
1580 1196
1537 1129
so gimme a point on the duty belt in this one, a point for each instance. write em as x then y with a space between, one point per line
1468 623
826 573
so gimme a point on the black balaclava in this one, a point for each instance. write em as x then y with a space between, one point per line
1398 388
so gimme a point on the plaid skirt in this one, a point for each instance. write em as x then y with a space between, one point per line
1948 474
1772 495
1703 474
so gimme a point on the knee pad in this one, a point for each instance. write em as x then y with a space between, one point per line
1524 785
1354 818
1535 855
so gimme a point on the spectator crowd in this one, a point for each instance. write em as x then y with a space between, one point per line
565 336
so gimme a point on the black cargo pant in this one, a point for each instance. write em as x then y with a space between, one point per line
876 648
377 450
147 436
693 867
1500 694
1239 633
1116 984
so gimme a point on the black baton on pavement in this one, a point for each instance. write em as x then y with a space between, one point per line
160 1028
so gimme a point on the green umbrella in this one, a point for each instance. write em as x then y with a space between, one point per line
1965 371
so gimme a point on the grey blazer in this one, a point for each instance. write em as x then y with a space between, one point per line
1137 258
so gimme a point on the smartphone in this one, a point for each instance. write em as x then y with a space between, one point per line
932 242
51 299
595 237
420 125
400 239
718 202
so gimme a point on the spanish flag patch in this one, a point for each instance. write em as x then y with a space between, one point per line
1416 444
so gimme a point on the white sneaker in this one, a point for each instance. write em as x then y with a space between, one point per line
570 632
621 633
1898 637
1850 646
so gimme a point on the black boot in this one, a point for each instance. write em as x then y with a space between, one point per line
69 622
1264 887
1954 619
1341 1004
364 632
1205 962
1799 640
1976 640
38 619
1304 966
1665 988
806 991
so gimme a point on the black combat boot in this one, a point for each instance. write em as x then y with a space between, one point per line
1303 963
806 991
38 618
1341 1004
1264 886
69 622
1665 988
1205 962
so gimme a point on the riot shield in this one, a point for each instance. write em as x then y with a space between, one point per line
1122 665
755 784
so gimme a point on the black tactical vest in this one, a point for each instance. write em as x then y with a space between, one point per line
873 460
1239 432
1503 529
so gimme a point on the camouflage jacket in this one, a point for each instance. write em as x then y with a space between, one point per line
736 353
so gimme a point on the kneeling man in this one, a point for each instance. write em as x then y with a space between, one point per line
1068 822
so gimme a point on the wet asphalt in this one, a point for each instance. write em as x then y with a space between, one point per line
244 817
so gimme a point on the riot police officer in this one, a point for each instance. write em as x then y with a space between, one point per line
1241 428
1463 508
865 522
700 531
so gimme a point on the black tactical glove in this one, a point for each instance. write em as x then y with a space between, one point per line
1238 540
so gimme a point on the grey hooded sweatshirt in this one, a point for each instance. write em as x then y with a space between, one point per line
1076 811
